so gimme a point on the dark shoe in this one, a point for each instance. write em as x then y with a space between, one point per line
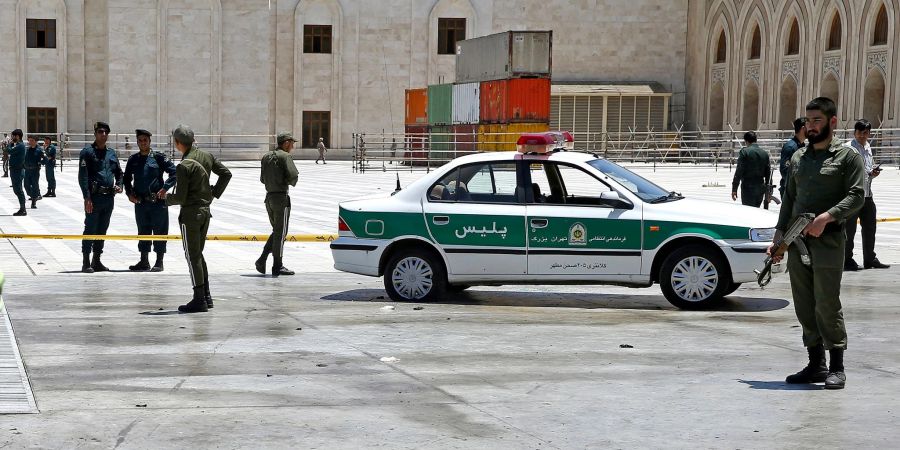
21 212
97 265
158 265
34 204
261 265
209 302
40 197
282 271
197 303
86 264
835 380
815 371
142 265
877 265
850 265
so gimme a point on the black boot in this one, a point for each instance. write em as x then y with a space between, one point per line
21 212
836 377
97 265
86 263
34 203
197 303
279 269
261 263
142 265
158 265
209 301
815 372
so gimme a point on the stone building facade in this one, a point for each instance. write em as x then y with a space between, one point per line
753 64
240 66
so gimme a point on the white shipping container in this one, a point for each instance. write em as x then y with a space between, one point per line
466 103
511 54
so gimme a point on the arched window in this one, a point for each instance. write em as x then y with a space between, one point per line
755 44
721 48
880 36
793 44
834 36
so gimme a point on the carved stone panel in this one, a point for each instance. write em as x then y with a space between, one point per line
752 73
832 64
876 59
718 75
792 68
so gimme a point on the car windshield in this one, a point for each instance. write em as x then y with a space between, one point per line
643 188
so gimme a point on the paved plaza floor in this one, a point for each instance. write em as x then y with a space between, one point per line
320 360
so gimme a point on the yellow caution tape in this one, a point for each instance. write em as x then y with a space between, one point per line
891 219
173 237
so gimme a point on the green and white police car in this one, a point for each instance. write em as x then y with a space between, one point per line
544 215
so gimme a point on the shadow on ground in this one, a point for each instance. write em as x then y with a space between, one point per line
780 386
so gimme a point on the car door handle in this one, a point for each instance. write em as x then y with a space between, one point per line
440 220
539 223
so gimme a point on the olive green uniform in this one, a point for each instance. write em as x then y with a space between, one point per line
194 193
278 173
825 180
752 174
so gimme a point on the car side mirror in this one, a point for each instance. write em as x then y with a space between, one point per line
613 199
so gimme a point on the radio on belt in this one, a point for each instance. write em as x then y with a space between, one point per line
546 142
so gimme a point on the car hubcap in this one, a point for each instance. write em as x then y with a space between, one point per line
412 278
695 278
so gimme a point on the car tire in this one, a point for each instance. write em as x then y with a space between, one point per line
414 275
731 288
694 277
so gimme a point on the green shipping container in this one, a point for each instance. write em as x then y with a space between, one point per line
440 104
441 140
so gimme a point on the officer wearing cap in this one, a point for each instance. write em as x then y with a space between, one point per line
49 163
143 180
34 154
16 151
194 193
100 179
278 173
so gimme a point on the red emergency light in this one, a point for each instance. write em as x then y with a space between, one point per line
546 142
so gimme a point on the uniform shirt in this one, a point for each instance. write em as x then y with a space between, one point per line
146 172
752 167
869 162
50 156
33 157
787 151
278 171
826 180
99 166
17 155
192 188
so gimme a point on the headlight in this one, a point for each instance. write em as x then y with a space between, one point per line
762 234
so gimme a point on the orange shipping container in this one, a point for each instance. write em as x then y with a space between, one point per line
417 106
515 100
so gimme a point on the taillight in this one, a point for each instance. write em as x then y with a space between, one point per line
342 226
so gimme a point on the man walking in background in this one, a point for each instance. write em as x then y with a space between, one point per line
278 173
862 131
752 173
50 166
787 151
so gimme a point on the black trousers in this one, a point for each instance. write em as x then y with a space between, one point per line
97 222
752 194
152 218
866 217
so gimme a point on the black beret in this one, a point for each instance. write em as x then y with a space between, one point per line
139 132
101 125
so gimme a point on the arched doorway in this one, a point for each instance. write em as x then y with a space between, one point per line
750 112
717 108
788 111
873 100
831 89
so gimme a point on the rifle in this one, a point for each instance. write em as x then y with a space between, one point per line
791 236
770 190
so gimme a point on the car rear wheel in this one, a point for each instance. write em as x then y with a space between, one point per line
694 277
413 275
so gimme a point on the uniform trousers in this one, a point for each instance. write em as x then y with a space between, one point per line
32 180
50 171
278 205
152 218
867 222
817 290
194 222
97 222
17 176
752 194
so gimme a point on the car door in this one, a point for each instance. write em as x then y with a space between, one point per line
575 229
477 215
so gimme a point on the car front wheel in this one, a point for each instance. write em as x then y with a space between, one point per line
413 275
694 277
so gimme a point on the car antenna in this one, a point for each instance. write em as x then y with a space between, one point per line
398 185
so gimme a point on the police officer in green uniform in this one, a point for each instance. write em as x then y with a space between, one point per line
752 173
194 193
100 179
50 166
34 154
16 151
143 180
278 173
826 180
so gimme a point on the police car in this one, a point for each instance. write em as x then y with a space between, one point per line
547 215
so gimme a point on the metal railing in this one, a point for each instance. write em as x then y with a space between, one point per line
223 146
